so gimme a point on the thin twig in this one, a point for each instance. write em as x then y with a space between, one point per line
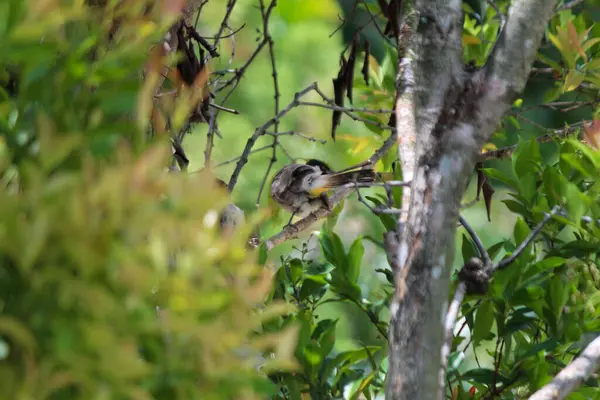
377 209
261 131
265 15
229 110
569 5
350 109
508 260
374 184
351 115
237 158
224 22
294 133
507 151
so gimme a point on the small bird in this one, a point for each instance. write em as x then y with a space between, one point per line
231 216
302 188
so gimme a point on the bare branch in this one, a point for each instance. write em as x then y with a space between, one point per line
295 103
350 109
510 63
507 151
572 375
225 22
294 133
569 4
266 12
251 152
261 130
509 260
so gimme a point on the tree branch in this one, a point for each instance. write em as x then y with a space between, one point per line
572 375
510 63
262 130
507 151
509 260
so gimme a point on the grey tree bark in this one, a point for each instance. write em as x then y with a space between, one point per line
454 112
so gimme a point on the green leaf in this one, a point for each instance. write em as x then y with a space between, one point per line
552 94
312 288
354 356
325 334
389 275
293 269
312 354
586 151
334 252
516 207
573 80
468 249
581 165
526 158
520 319
364 384
544 265
494 173
346 288
527 185
484 318
262 254
355 255
558 294
318 268
520 233
495 249
483 376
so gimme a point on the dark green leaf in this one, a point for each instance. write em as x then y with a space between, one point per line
494 173
484 318
468 249
483 376
526 158
355 255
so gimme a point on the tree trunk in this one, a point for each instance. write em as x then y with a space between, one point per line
456 109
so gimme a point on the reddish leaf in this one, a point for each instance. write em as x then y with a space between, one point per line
591 131
574 39
472 391
488 192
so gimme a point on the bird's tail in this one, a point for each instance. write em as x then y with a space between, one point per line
341 178
330 181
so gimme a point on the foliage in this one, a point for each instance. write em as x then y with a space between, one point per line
546 303
114 280
309 284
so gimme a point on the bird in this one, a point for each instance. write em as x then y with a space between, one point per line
231 216
302 188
